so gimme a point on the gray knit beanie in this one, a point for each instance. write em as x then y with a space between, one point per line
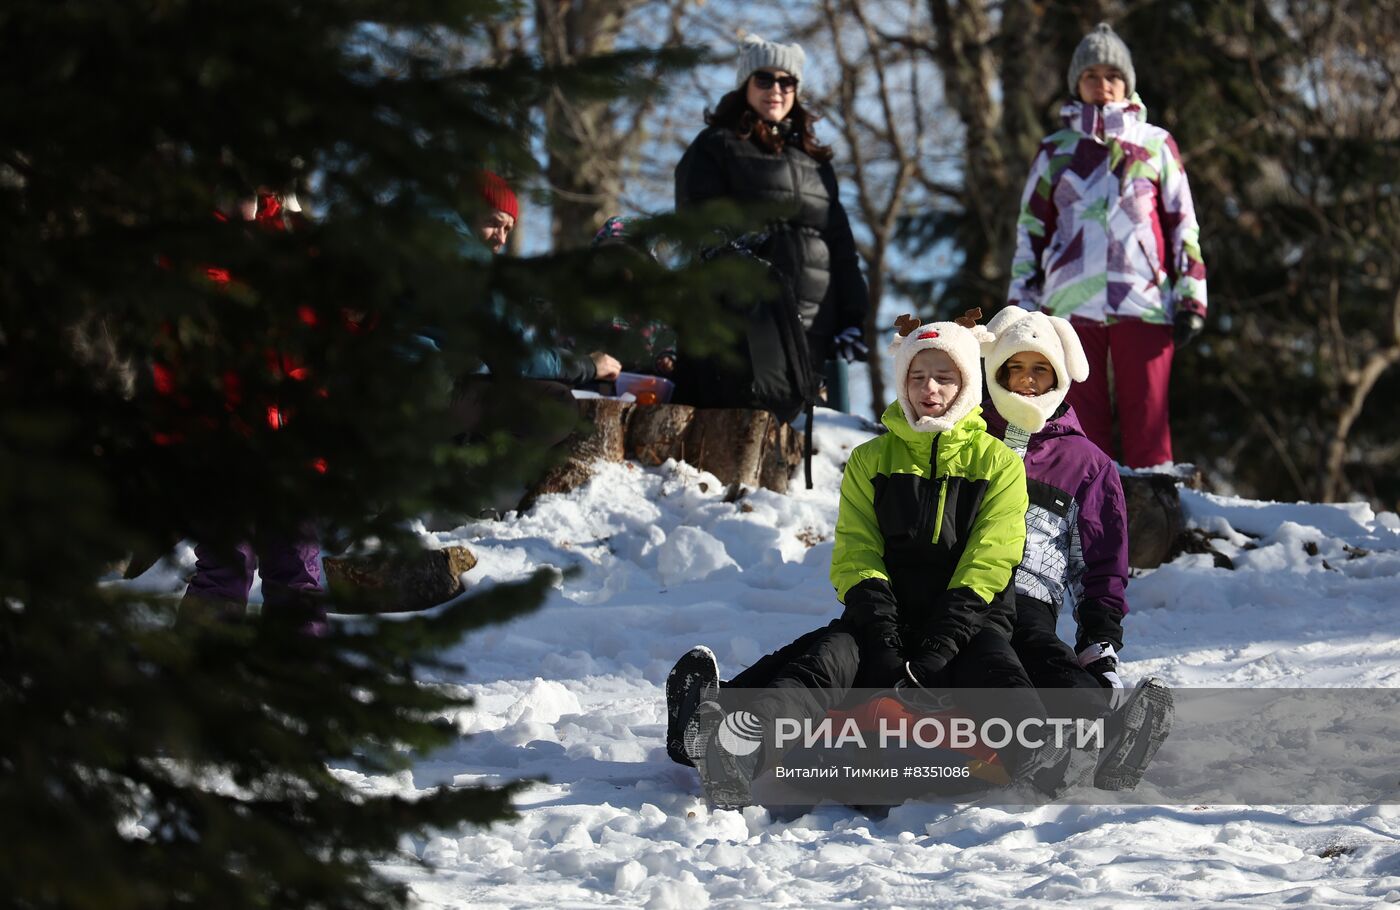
757 54
1101 46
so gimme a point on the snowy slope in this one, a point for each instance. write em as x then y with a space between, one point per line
573 695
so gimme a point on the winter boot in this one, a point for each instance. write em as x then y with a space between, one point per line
726 777
1064 768
1134 734
694 678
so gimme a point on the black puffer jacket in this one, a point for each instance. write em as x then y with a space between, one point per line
813 246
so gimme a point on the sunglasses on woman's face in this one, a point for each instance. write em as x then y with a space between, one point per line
763 81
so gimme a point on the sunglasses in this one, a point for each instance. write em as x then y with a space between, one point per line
763 81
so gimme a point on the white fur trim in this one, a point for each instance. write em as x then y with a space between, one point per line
1017 331
959 343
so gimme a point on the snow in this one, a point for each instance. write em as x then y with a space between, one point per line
572 695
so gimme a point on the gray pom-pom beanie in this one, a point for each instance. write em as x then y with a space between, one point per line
757 54
1102 46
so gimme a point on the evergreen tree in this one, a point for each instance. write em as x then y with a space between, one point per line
165 375
1288 121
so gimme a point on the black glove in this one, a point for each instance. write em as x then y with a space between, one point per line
850 345
1102 661
926 663
871 611
1188 326
881 657
743 245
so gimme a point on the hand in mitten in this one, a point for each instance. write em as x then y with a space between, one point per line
850 344
1188 326
925 665
881 660
1102 661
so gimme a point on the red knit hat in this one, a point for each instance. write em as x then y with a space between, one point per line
497 194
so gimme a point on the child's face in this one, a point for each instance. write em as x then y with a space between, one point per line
1028 373
1102 84
932 384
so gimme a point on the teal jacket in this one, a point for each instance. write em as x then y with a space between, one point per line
930 530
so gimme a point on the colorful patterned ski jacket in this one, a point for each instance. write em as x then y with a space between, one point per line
930 528
1107 229
1076 526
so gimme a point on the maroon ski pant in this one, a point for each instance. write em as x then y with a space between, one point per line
1141 353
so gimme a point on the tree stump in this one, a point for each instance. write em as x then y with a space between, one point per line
1155 519
600 437
739 446
742 447
380 584
658 432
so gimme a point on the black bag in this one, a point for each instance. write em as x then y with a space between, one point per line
774 368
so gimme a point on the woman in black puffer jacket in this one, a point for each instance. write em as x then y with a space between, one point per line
758 147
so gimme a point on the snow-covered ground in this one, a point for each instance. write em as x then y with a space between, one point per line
573 695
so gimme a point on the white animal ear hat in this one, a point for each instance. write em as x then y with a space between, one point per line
1019 330
961 340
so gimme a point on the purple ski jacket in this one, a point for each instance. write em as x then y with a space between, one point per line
1076 526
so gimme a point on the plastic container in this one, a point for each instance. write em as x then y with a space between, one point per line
645 389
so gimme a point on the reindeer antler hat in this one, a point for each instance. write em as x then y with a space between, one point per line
961 340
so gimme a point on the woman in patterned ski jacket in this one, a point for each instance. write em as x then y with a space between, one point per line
1107 238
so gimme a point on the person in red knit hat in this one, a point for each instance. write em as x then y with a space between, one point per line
550 369
494 225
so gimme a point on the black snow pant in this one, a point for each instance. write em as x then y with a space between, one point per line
1050 663
810 675
802 680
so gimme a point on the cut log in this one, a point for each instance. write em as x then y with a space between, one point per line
658 432
740 447
378 584
743 448
781 456
601 437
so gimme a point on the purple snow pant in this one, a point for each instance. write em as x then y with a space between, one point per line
290 572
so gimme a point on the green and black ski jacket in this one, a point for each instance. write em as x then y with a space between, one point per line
931 528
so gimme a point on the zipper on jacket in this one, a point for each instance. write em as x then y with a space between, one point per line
942 482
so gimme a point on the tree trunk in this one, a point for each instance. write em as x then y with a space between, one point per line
999 83
583 178
969 73
875 333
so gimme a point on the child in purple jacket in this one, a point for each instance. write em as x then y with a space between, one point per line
1076 530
